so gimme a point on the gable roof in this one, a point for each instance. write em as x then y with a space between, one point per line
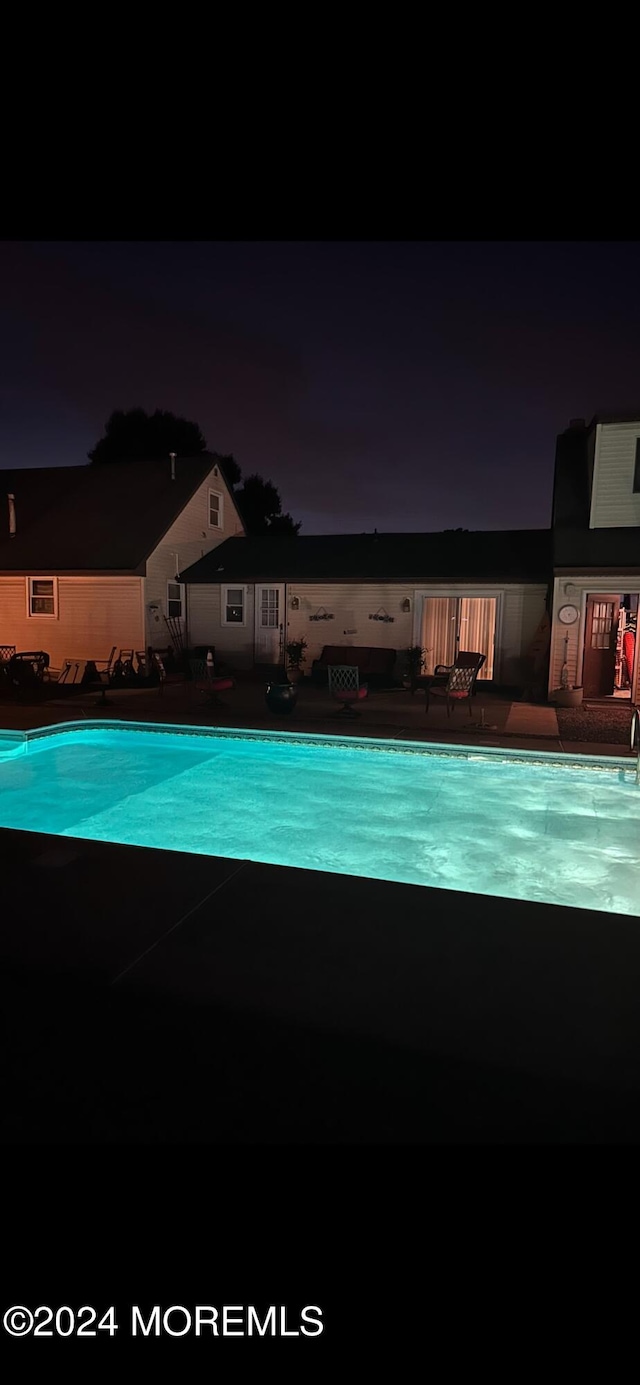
102 518
478 556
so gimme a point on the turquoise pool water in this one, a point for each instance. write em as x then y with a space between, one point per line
525 826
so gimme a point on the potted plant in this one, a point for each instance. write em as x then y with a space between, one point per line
567 697
414 662
296 656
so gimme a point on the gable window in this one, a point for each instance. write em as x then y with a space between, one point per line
215 510
43 596
175 600
636 473
233 606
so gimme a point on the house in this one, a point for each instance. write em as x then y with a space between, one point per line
484 591
596 558
89 554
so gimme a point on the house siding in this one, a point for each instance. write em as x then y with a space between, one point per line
94 613
613 502
233 643
188 539
574 591
521 607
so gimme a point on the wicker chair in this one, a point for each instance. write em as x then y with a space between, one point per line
345 686
207 682
457 680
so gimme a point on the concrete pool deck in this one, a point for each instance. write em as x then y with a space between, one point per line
151 996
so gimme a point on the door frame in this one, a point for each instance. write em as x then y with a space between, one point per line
282 611
455 591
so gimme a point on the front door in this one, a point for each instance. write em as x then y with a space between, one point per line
269 625
601 632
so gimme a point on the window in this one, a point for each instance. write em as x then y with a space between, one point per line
175 600
43 596
269 606
601 624
636 472
215 510
233 606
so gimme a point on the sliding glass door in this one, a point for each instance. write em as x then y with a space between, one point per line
452 623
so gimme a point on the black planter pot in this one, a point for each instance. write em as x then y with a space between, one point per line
281 698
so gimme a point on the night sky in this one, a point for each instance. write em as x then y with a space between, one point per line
391 385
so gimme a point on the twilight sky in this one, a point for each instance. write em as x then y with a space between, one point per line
395 385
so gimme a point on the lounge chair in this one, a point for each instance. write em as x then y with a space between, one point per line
456 681
345 686
207 682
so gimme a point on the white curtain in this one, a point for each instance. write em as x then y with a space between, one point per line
478 629
438 630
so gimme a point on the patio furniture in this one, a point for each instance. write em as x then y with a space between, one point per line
373 664
345 686
7 652
281 698
205 681
455 682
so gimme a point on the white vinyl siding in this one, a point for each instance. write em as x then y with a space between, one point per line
93 614
42 597
188 539
614 503
520 607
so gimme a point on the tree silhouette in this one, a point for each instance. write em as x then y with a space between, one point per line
261 508
133 434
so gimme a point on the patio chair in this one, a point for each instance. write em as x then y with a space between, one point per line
345 686
455 682
205 681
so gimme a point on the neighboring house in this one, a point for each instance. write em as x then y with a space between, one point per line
596 529
480 591
89 555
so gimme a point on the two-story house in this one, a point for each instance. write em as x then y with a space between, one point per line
90 555
596 541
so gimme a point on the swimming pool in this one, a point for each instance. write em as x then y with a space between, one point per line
517 824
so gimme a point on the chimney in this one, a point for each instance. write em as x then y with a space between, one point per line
12 515
173 465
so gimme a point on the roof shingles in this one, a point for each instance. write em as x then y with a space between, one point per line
476 556
103 518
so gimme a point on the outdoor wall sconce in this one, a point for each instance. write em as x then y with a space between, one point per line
381 614
321 614
295 603
406 604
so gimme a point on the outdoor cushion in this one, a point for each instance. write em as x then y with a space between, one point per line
353 694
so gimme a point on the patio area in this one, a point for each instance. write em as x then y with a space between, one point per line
390 713
496 720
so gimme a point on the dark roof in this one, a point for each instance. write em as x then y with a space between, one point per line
101 518
601 550
493 556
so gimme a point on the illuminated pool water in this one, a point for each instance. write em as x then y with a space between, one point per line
521 825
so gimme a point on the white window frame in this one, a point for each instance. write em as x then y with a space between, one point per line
220 496
233 624
42 615
171 582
